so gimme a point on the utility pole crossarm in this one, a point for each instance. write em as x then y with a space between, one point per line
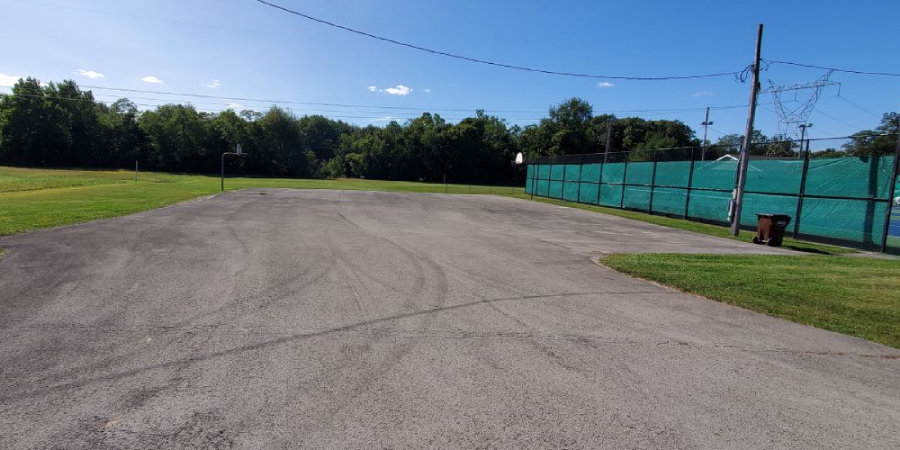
706 123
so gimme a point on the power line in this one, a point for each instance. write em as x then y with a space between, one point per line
370 109
858 106
492 63
813 66
341 105
157 105
386 107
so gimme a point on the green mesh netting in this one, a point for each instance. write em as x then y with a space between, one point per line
845 198
589 193
673 174
556 172
714 174
611 195
572 172
612 173
776 176
669 200
639 173
590 173
570 191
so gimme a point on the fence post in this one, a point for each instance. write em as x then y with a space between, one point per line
652 182
889 210
624 180
600 179
549 173
687 199
580 171
562 190
802 190
534 169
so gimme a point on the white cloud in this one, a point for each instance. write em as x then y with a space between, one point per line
236 106
383 119
427 90
605 84
212 84
8 80
89 74
398 90
152 79
703 94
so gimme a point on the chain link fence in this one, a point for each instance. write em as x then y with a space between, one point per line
832 191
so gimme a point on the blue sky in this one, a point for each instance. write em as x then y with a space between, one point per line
240 48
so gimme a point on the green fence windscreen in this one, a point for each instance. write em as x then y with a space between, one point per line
841 198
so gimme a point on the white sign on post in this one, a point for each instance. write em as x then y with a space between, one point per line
239 149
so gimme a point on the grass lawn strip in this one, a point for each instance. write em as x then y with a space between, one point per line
855 296
696 227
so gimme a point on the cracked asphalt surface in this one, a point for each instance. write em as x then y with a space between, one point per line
339 319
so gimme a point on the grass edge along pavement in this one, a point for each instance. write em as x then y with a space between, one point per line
854 296
689 225
33 199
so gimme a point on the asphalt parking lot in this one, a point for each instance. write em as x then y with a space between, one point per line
342 319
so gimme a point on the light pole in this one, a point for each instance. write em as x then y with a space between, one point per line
706 123
239 152
803 128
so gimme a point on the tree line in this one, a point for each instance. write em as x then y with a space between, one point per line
61 125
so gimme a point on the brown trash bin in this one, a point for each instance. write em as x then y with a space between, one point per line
770 228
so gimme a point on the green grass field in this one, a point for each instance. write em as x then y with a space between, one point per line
32 199
850 295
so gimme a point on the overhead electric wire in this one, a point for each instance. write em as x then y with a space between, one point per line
813 66
311 112
387 107
340 105
860 107
407 112
493 63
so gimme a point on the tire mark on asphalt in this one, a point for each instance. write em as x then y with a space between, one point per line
298 337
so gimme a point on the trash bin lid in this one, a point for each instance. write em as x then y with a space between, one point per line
774 216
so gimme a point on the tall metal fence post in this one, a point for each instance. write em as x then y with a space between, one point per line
580 171
687 198
889 210
534 169
802 190
652 182
562 190
549 173
600 178
624 180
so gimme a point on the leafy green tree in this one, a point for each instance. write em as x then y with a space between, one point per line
880 141
35 129
176 139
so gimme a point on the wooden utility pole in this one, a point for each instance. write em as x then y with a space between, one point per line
706 123
745 147
608 140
